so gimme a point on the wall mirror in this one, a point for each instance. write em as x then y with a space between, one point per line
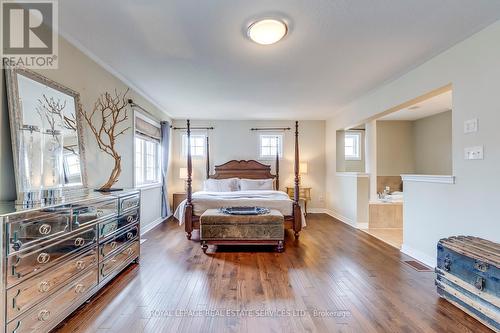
47 137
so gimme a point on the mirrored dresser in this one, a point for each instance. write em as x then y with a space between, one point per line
55 257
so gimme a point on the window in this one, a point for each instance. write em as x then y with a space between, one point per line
147 161
352 146
197 145
147 143
269 144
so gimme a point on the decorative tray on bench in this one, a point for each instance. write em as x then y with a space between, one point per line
245 210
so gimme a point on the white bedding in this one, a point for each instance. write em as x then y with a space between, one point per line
204 200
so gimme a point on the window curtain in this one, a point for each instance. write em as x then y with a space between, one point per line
165 149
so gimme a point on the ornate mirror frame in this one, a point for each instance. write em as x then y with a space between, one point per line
16 120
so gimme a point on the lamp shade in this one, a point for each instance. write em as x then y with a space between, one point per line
303 168
183 173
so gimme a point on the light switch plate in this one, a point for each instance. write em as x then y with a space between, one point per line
471 126
474 153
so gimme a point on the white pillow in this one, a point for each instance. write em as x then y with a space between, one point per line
256 184
220 185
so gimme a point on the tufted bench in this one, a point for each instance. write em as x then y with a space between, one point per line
225 229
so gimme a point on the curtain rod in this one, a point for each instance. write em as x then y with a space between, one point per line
193 128
134 104
270 129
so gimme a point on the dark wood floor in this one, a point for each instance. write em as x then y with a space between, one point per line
335 279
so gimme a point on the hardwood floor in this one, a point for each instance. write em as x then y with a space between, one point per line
335 279
392 236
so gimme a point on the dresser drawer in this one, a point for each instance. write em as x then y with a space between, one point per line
117 241
118 260
25 232
109 227
129 202
29 292
42 315
88 212
25 264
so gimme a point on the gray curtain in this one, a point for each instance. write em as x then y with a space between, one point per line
165 144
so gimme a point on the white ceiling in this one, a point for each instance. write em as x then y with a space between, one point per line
193 59
427 108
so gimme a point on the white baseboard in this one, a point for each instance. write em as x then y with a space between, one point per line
419 255
362 225
340 217
153 224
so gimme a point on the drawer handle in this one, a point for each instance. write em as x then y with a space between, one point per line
17 326
80 288
44 315
100 213
14 300
113 245
130 251
43 258
17 245
130 218
79 241
80 264
44 286
45 229
130 235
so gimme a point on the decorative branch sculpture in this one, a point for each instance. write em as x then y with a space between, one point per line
112 111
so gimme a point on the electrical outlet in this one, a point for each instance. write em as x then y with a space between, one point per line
471 126
474 153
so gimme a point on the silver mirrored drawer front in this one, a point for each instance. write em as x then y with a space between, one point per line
22 296
21 265
26 230
107 228
117 241
129 202
91 211
118 260
39 318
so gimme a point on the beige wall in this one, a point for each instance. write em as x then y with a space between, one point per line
395 148
78 72
432 144
233 139
436 210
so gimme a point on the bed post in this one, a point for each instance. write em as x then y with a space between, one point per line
297 218
188 215
277 165
208 158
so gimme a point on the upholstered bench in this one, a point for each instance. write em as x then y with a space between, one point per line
219 228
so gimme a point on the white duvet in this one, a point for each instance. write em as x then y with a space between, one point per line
204 200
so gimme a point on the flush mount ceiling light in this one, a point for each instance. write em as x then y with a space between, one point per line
267 31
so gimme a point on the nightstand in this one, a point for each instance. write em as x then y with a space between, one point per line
177 199
304 195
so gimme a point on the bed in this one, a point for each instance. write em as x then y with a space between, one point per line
190 210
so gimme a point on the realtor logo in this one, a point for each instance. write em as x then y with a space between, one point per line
29 34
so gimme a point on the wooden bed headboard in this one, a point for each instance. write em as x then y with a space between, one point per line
250 169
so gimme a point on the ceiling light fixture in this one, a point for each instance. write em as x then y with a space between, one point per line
267 31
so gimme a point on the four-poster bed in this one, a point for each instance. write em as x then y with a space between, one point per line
243 169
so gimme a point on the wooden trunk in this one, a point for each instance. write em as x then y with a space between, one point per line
468 276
